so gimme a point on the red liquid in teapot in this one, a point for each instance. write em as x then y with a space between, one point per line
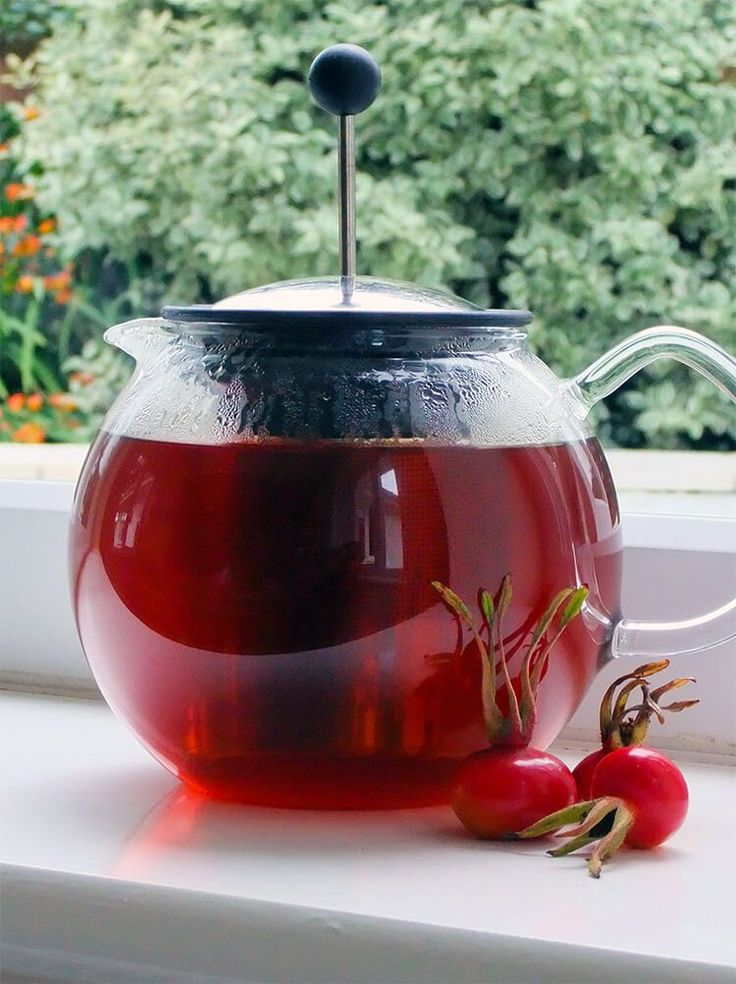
261 614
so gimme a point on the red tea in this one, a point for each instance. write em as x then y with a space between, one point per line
261 614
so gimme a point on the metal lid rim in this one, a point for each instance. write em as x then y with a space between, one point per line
354 318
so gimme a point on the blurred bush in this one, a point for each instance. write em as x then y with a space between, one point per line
93 379
578 158
56 382
34 288
23 22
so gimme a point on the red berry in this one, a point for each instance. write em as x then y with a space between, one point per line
651 785
583 772
500 791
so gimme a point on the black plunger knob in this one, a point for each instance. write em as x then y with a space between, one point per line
344 79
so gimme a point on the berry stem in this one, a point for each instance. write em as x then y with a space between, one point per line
515 729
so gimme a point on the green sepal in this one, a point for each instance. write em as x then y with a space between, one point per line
574 605
560 818
487 607
453 601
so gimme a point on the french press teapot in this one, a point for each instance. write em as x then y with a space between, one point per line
261 517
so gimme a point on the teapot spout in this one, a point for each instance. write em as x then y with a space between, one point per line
140 338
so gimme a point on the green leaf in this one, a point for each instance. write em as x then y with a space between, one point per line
453 601
504 596
487 607
574 605
544 622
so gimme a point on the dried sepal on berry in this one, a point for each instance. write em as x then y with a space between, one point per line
607 812
622 725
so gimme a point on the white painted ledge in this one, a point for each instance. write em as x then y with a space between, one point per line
682 521
42 462
660 529
111 873
673 471
36 495
633 471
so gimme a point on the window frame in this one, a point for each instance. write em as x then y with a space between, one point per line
665 552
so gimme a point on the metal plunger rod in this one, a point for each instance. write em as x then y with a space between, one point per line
344 80
346 203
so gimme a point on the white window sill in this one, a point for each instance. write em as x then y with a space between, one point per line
716 510
710 472
110 872
105 862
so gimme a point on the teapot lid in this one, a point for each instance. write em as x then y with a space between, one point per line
344 80
373 303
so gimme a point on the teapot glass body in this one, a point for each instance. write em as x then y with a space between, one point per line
260 519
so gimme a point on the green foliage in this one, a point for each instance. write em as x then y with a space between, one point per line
24 21
54 386
32 287
95 377
574 156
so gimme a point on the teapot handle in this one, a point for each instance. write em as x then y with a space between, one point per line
606 374
646 640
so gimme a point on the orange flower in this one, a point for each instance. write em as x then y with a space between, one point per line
29 434
4 148
57 281
31 112
27 246
62 401
47 226
7 223
63 296
15 402
16 192
34 402
13 223
81 378
24 284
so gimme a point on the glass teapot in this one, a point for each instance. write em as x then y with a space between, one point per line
259 522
